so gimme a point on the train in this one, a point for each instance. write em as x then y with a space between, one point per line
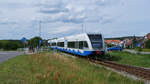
85 44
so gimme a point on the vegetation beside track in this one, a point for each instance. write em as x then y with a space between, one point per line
53 68
143 50
131 59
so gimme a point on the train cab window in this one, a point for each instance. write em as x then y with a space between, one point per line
96 41
60 44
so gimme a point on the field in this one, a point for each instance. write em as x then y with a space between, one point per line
131 59
53 68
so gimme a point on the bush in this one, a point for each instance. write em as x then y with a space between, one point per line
34 41
110 45
147 44
0 45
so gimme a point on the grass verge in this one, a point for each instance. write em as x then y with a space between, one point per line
131 59
53 68
144 50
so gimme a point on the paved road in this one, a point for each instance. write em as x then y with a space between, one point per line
4 55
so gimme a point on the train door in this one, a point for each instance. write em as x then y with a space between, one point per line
65 43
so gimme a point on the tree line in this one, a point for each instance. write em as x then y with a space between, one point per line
15 44
147 44
10 44
34 42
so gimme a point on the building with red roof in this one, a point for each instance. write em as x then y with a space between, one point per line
114 42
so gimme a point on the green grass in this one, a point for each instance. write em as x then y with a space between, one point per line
144 50
131 59
53 68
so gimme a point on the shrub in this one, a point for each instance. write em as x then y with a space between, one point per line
147 44
34 41
110 45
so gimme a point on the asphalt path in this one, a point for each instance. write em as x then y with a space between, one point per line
136 52
5 55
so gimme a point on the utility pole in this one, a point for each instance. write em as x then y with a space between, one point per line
39 35
82 28
85 28
40 28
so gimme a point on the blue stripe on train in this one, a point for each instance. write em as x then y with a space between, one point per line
85 53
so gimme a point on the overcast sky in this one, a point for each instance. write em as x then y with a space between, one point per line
113 18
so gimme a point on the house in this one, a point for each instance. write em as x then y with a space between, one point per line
147 36
127 43
132 43
113 42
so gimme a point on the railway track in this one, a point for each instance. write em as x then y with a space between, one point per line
137 71
133 70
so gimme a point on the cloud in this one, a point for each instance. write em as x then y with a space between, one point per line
14 5
59 11
66 16
107 19
63 29
52 7
107 2
74 12
7 21
52 10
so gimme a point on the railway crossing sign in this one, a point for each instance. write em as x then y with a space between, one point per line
24 40
40 41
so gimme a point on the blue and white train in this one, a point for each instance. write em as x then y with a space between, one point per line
81 44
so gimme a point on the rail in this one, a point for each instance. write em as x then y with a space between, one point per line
137 71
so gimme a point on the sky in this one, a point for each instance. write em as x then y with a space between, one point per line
59 18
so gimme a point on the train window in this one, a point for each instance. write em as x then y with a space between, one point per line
95 37
71 44
60 44
83 44
78 44
53 44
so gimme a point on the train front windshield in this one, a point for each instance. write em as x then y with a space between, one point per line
96 41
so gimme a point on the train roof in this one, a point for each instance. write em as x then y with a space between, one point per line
79 37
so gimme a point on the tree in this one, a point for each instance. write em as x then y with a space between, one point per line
110 45
147 44
35 41
134 42
1 45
